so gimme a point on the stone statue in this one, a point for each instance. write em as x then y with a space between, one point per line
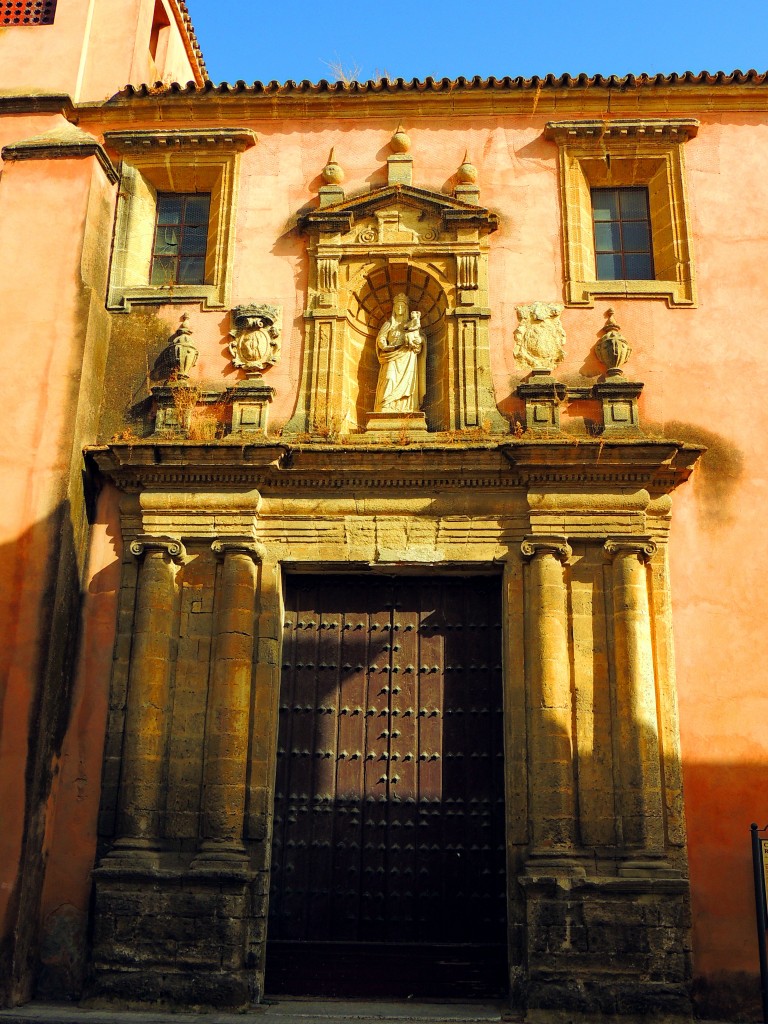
540 337
401 348
255 344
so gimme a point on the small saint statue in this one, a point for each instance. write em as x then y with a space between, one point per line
401 348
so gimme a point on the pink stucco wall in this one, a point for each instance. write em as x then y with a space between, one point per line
92 49
703 368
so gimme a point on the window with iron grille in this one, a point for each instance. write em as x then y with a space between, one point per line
622 225
181 238
27 12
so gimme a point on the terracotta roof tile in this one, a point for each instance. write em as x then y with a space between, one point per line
192 37
436 85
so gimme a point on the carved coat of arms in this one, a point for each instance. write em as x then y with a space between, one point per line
255 344
540 336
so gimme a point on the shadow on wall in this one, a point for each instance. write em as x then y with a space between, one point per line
39 686
41 613
717 472
721 801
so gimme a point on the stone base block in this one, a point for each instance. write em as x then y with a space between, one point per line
173 937
397 422
608 946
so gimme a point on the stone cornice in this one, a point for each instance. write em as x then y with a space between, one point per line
53 103
657 465
667 129
304 100
65 142
142 141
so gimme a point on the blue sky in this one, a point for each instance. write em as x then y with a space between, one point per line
283 39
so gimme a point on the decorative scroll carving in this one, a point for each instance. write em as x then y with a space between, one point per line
643 547
550 544
146 542
540 336
240 545
255 344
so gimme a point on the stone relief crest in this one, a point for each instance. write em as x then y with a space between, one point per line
540 336
255 344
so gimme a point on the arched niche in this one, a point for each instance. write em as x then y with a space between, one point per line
370 305
364 251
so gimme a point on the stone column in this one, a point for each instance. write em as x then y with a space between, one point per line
149 693
635 687
229 700
551 767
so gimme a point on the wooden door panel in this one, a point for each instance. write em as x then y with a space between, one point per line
389 811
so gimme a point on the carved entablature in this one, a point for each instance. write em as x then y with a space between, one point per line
364 251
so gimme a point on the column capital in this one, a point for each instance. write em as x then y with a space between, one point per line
550 544
643 546
147 542
239 545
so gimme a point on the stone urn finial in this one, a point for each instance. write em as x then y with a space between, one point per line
400 141
467 172
183 351
333 172
612 349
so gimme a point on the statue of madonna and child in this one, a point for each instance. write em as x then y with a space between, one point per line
401 350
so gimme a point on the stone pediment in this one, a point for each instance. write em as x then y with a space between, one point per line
447 211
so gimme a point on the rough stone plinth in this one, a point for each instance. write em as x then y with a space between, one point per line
608 945
172 937
397 422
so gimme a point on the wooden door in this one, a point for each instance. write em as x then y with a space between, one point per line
388 862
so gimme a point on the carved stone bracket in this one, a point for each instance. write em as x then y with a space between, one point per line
543 396
550 544
250 407
147 542
175 403
619 400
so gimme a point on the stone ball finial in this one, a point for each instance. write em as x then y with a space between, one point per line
400 141
333 172
467 172
612 349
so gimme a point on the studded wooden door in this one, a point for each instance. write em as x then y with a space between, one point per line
388 864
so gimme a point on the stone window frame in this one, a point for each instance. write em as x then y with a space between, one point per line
181 160
624 153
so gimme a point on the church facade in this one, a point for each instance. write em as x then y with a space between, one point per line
381 530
